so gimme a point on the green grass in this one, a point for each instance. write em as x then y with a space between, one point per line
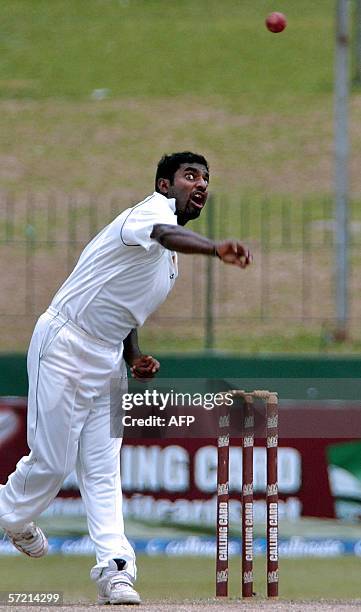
206 75
185 578
203 75
290 340
155 48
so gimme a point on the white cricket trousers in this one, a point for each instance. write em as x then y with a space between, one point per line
69 427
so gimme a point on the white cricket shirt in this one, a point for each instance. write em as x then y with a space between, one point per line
122 275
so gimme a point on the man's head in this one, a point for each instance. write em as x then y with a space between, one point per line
185 177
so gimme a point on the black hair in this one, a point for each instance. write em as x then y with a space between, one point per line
169 164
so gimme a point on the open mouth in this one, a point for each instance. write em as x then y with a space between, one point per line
198 199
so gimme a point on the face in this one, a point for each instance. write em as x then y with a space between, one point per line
190 190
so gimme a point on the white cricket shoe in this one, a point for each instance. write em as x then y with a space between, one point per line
114 585
31 541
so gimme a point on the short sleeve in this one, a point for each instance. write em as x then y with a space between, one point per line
139 221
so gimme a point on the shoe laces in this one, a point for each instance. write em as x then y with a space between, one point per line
29 533
116 578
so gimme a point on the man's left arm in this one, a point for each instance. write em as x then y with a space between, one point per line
141 366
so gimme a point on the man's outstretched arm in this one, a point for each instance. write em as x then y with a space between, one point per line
181 240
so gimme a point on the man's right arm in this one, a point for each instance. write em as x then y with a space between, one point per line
181 240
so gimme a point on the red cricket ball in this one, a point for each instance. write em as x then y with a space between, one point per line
276 22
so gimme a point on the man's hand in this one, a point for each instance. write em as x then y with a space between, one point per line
234 253
144 367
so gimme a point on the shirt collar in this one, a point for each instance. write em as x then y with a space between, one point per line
170 201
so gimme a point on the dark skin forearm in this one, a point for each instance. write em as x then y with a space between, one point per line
131 347
176 238
142 367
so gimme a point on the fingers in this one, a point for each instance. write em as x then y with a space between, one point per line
142 378
149 363
239 256
246 259
144 367
156 366
234 253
